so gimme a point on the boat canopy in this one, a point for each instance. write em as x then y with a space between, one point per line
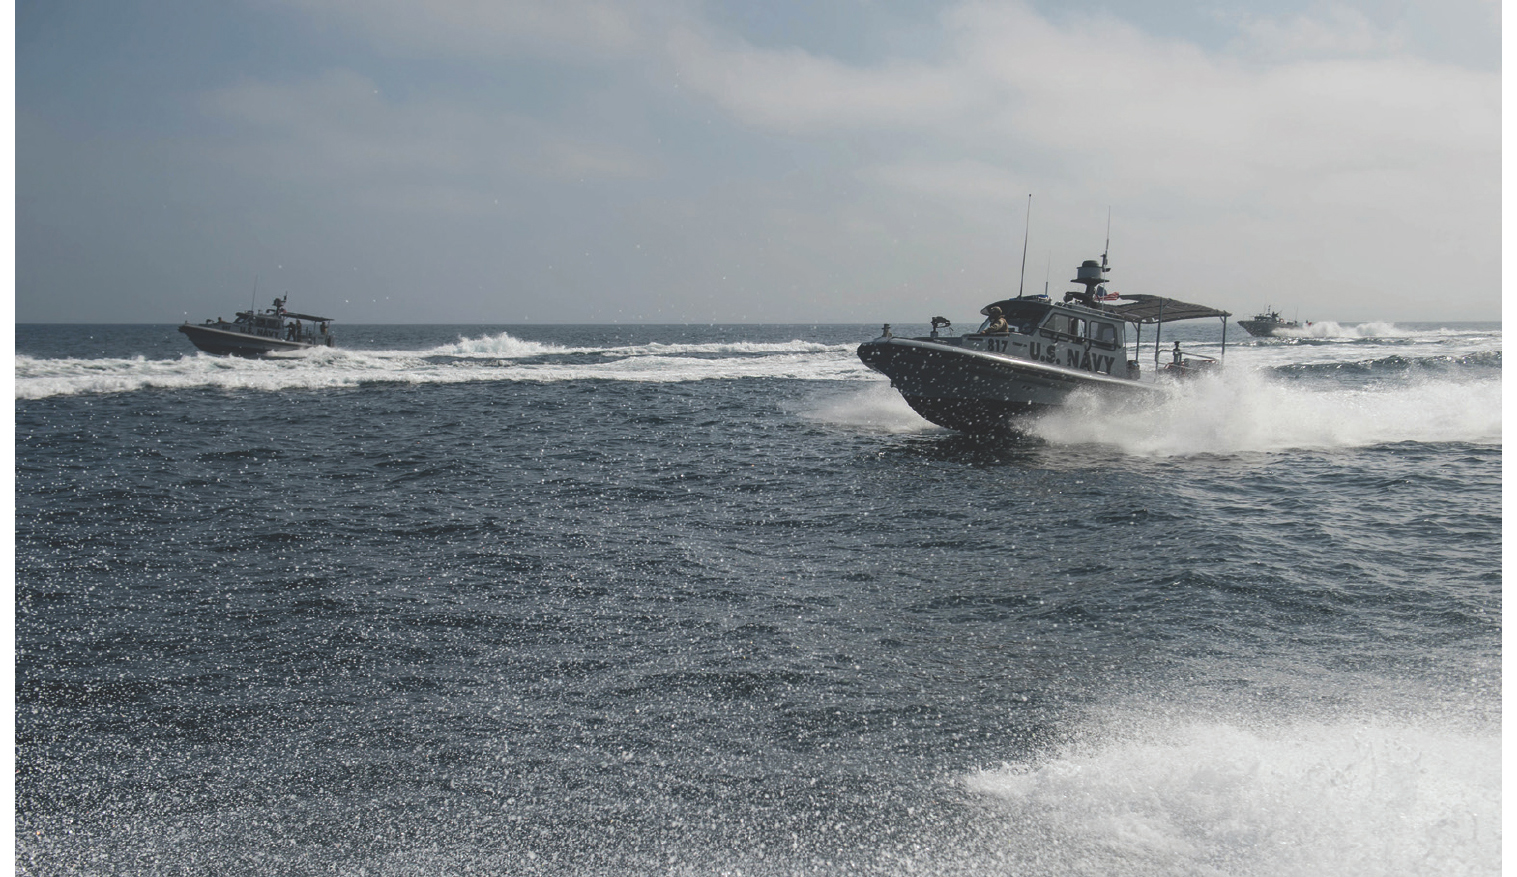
288 315
1013 308
1158 309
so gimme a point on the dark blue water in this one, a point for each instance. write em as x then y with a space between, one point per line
712 600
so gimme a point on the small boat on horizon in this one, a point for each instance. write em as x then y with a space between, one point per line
259 333
1032 353
1268 323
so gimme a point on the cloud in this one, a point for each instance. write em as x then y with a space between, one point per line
558 29
1088 97
340 129
543 153
1098 99
1338 32
1310 152
1325 157
793 91
963 180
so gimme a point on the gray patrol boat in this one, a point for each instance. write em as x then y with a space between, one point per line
1268 323
986 380
259 333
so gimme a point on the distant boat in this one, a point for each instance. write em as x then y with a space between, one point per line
1268 323
1032 353
255 333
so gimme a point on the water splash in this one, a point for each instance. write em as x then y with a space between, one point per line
501 357
1243 411
506 346
503 345
1357 797
1330 329
876 408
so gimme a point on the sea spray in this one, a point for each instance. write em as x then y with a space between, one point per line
1247 411
1352 797
1330 329
875 407
497 357
506 346
500 345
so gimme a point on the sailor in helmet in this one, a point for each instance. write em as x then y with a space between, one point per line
997 324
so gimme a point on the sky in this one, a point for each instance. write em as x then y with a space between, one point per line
820 161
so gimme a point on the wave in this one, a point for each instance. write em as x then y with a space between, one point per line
1330 329
1238 411
505 346
1244 411
491 358
874 408
1469 363
1199 797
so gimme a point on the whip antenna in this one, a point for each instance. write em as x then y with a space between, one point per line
1025 232
1108 240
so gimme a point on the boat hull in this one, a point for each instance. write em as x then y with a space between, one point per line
1265 328
975 391
228 343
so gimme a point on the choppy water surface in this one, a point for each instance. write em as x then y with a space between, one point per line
713 600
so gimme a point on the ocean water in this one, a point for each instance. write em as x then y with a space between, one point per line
627 600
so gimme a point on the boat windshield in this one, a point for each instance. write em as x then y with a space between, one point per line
1023 314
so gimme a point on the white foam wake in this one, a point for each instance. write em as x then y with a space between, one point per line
876 407
1330 329
506 346
503 345
1242 411
1198 798
492 358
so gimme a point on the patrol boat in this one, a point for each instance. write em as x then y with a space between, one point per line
259 333
987 380
1266 324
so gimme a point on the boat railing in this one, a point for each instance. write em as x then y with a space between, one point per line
314 333
1191 364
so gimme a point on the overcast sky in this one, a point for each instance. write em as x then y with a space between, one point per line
581 161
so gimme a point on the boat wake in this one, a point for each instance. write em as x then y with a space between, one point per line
505 346
1209 797
501 357
1263 409
1249 411
1330 329
875 408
